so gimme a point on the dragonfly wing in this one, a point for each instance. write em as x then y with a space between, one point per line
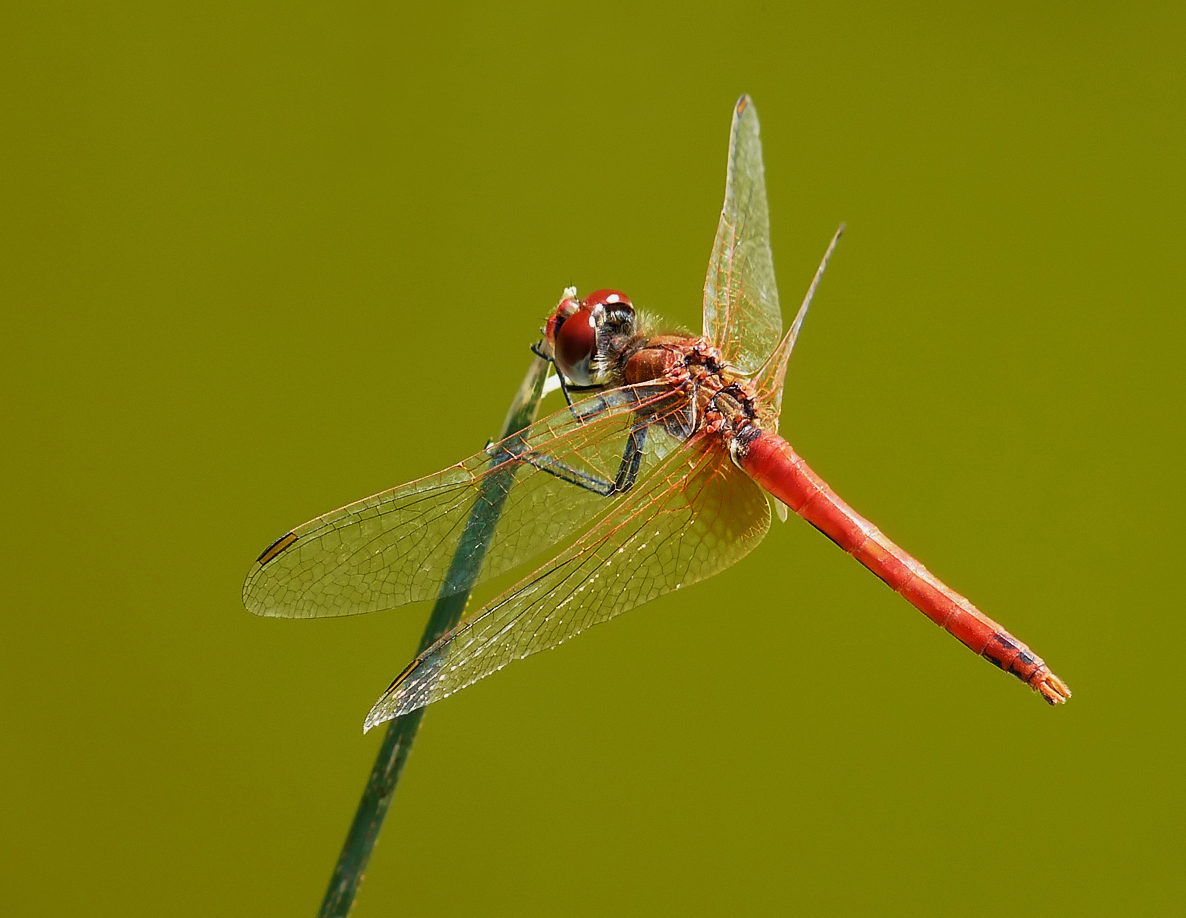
769 379
741 314
397 546
695 516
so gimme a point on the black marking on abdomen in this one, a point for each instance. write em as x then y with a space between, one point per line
1027 661
1007 644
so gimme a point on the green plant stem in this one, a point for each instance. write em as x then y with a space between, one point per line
459 580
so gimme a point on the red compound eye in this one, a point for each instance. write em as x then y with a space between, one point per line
575 344
563 311
610 299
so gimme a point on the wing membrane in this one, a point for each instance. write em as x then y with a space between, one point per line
741 314
395 547
769 379
695 516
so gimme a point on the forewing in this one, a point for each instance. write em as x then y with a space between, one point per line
741 314
695 516
397 546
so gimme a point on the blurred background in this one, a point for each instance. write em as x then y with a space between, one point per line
259 260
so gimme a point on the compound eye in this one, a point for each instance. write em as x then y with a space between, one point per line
609 299
575 344
564 310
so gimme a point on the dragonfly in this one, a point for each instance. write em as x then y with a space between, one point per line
664 467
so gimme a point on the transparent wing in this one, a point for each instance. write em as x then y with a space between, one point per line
396 547
741 314
696 515
769 379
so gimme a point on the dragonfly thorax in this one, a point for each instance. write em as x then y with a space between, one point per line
599 342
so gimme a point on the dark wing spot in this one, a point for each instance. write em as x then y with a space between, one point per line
275 548
408 670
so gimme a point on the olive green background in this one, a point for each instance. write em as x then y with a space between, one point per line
261 260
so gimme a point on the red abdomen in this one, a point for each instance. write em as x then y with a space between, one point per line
771 462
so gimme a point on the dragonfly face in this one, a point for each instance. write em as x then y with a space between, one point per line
582 334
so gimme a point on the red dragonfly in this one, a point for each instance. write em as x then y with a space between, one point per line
660 472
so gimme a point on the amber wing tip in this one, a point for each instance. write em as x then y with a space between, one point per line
1053 689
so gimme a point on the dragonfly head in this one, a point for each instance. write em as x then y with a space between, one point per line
580 333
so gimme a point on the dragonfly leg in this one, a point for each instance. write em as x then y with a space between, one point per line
604 402
580 417
623 481
631 459
545 354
